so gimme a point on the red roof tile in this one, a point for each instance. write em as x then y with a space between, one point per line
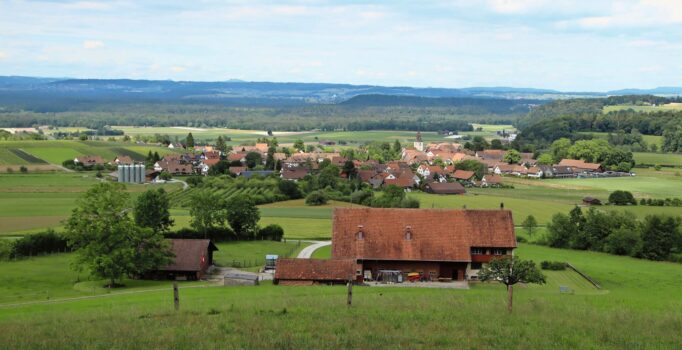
436 234
315 269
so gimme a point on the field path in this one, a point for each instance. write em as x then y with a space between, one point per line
308 251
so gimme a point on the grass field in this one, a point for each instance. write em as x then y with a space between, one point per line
637 308
649 139
668 159
252 253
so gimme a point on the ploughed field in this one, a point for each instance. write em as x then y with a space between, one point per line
638 307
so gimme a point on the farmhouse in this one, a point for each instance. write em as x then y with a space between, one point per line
123 160
491 181
439 244
192 259
581 165
464 175
436 244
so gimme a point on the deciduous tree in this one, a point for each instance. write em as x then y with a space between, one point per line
510 271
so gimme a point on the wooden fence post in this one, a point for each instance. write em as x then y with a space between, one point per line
350 292
176 296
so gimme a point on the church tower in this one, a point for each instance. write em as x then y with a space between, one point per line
418 144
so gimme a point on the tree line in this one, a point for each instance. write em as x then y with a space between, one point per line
656 237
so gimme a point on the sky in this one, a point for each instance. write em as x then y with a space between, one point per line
578 45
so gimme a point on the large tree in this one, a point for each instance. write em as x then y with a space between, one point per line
253 159
106 239
243 215
510 271
152 210
530 224
661 236
512 157
206 210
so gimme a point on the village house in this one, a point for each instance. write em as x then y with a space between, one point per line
534 172
237 170
464 175
174 167
206 165
559 171
294 174
438 244
429 171
237 157
123 160
89 160
491 181
444 188
591 201
192 258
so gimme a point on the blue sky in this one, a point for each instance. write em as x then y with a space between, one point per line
567 45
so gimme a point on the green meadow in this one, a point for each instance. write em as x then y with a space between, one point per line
637 307
665 107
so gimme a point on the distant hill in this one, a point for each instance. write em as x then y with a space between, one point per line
472 105
664 90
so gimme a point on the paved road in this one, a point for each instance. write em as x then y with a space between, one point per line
307 252
184 184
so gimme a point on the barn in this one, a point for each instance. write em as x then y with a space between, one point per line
303 272
438 244
192 259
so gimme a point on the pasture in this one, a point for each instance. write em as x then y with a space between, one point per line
637 308
665 159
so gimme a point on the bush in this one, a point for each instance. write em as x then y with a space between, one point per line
316 198
520 239
289 189
39 243
272 232
195 180
216 234
23 169
622 198
5 249
553 265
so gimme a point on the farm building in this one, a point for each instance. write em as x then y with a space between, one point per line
303 272
444 188
441 244
435 244
582 165
192 259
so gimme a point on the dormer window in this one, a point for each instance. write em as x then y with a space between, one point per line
360 235
408 233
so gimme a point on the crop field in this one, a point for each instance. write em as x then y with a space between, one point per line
637 308
666 107
55 152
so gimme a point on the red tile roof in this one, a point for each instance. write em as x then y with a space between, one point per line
294 173
580 164
315 269
436 234
463 174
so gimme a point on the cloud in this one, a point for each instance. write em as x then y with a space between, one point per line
2 55
633 14
178 69
92 44
516 6
88 5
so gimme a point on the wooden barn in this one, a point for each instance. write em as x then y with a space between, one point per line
436 243
192 259
444 188
303 272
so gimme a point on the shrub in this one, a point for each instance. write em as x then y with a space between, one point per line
289 189
622 198
553 265
23 169
272 232
316 198
195 180
216 234
39 243
5 249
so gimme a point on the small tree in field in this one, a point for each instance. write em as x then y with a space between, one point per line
510 271
530 224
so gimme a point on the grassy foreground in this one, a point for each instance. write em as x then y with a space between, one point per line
638 308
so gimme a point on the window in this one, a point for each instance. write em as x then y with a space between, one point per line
360 234
499 252
476 265
408 233
477 251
